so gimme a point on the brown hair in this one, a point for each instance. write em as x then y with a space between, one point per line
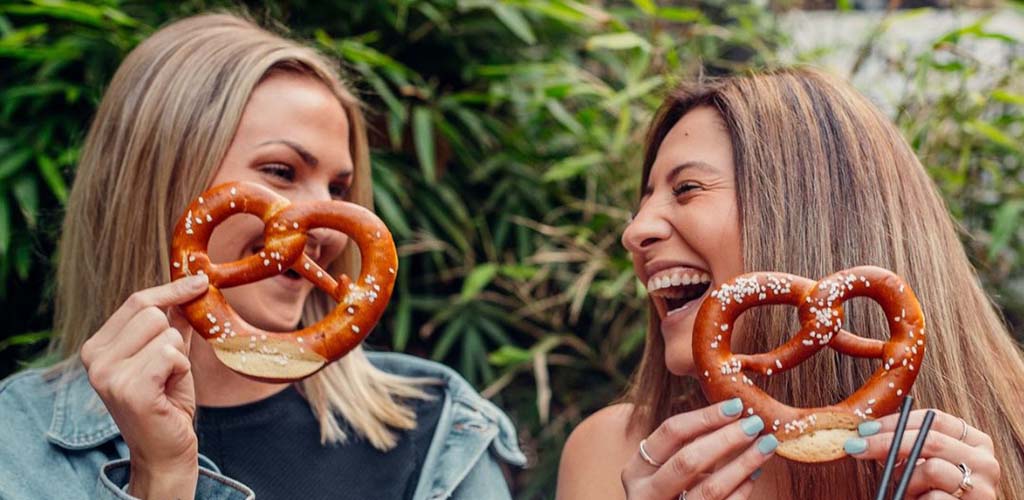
826 182
158 138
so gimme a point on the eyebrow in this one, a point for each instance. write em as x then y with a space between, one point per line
303 153
689 165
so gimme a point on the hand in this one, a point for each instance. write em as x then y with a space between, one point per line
950 442
138 363
684 449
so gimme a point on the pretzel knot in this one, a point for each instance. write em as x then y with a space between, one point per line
283 356
811 434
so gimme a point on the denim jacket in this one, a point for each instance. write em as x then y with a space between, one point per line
52 445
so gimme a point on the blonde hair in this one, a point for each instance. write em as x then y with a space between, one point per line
826 182
161 132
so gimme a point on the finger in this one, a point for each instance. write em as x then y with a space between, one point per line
945 423
140 330
723 482
743 492
162 296
178 321
936 444
678 429
680 471
161 359
934 474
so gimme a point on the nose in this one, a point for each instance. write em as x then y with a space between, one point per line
647 228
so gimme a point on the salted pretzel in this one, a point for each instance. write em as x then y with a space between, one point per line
811 434
283 356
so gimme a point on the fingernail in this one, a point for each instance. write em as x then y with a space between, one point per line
767 444
757 473
732 407
869 428
854 446
752 426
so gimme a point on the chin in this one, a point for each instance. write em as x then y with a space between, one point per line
679 363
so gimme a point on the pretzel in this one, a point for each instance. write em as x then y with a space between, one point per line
811 434
283 356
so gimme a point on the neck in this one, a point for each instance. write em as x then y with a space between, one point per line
218 385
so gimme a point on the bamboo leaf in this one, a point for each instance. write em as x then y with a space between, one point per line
515 22
571 167
26 191
1007 221
618 41
477 280
423 137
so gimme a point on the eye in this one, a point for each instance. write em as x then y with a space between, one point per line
340 190
684 187
279 170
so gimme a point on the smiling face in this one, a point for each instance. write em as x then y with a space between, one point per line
294 139
685 238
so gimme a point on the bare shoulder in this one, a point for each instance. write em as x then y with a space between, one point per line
595 454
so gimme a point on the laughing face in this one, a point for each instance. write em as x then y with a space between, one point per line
685 238
293 139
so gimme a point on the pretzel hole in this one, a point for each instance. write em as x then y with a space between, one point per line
241 223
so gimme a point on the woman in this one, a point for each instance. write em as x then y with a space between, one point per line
794 171
207 100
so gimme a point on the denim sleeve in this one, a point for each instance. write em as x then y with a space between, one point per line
211 486
485 481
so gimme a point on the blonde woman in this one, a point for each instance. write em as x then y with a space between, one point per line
794 171
140 406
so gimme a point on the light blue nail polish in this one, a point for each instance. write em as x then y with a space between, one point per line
854 446
757 473
767 444
869 428
752 426
732 407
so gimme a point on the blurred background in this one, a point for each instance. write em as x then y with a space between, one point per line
506 157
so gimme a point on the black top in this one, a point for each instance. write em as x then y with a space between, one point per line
273 446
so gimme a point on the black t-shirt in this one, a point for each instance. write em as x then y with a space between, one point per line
273 446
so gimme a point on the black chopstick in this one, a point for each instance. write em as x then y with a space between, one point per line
914 453
894 448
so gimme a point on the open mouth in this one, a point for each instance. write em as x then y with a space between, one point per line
678 287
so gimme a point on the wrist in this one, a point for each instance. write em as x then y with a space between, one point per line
172 481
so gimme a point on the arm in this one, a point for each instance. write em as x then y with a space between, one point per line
595 454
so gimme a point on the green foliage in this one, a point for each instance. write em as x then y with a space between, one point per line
506 155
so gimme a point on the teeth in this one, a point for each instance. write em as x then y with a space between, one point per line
677 278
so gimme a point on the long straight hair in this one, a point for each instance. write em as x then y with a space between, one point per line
826 182
162 129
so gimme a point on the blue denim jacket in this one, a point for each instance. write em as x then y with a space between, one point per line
52 445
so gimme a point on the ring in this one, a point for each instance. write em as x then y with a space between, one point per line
647 458
965 483
963 435
682 496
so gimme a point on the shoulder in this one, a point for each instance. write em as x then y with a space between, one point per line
595 453
26 400
463 405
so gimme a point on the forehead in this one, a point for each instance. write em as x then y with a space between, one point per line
700 136
295 107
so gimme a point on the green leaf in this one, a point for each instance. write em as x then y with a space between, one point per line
1007 220
618 41
477 280
1008 97
22 259
681 15
26 191
24 339
12 163
571 167
51 174
990 132
423 137
451 333
509 355
515 22
646 6
5 224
